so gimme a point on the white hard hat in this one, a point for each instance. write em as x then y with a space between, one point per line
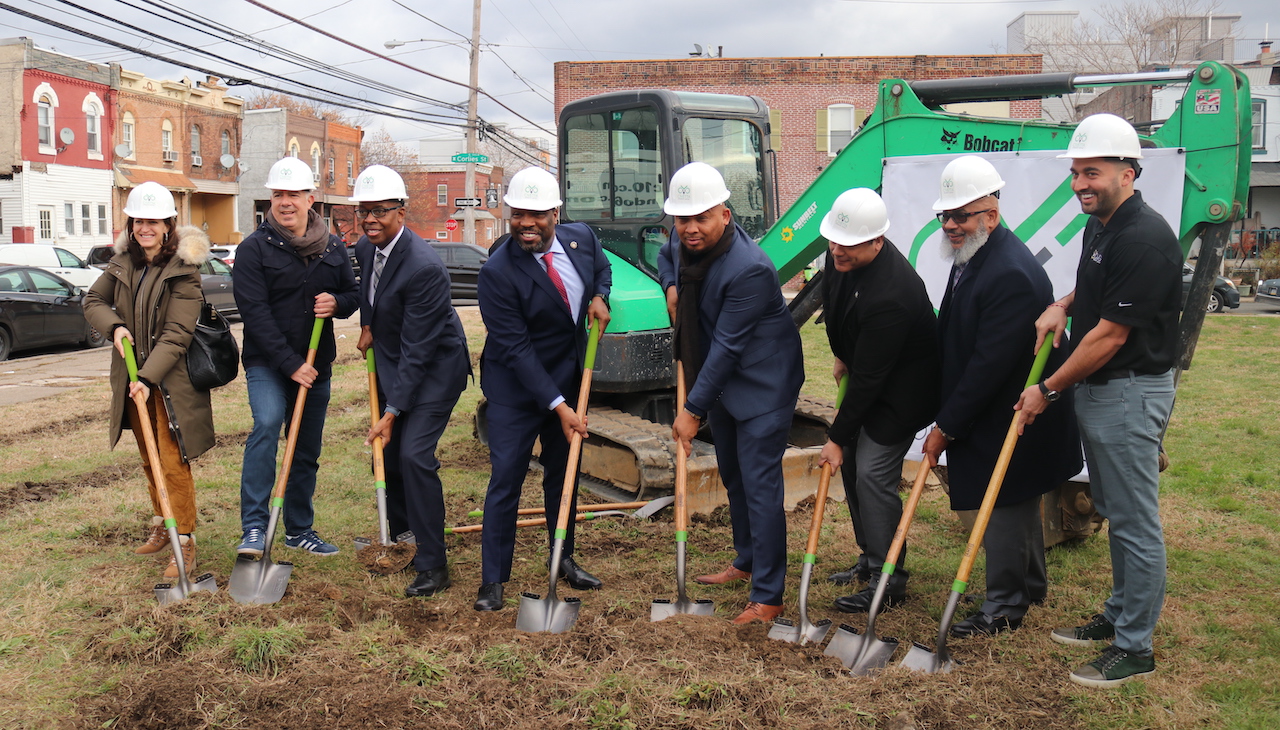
1103 135
533 188
857 216
150 201
290 173
695 188
378 182
966 179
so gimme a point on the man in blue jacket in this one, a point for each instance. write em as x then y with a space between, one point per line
540 288
420 353
986 324
743 366
288 271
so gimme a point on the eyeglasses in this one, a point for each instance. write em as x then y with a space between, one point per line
960 216
379 213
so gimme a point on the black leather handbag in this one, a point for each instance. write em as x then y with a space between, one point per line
213 358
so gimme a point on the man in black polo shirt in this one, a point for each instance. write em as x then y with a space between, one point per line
1125 308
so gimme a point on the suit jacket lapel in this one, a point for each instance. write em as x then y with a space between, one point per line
398 255
532 268
583 267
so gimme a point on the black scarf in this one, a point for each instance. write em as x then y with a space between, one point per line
688 335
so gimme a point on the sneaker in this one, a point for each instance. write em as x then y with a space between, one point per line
1115 667
157 538
1097 631
188 558
310 542
253 543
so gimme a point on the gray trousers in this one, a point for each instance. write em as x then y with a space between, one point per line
871 473
1016 574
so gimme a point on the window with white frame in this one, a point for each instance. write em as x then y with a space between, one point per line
226 143
294 149
841 123
126 134
1259 124
351 168
195 145
69 218
442 195
92 109
44 122
315 162
102 220
166 136
46 224
86 221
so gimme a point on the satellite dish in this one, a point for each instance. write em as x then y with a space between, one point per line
66 135
244 166
228 161
123 150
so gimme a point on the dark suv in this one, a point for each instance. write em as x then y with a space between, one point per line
463 261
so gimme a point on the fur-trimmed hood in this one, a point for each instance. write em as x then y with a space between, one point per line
193 245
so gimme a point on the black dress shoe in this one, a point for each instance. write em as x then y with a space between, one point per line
429 582
489 598
577 578
856 573
980 624
860 602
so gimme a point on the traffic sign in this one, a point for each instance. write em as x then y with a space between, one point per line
467 202
451 225
475 157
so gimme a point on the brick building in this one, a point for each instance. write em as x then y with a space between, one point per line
816 104
432 190
55 158
184 135
331 149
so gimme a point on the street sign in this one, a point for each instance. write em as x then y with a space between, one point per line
451 225
467 202
475 157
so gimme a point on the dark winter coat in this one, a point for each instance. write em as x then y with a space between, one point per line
161 315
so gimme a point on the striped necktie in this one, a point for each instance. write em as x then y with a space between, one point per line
556 280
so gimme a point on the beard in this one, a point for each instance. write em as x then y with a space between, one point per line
973 242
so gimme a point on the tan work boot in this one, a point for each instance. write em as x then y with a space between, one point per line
188 557
157 539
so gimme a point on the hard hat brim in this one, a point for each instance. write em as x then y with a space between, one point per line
672 208
526 204
940 205
842 238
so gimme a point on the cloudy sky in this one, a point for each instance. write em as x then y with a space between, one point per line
523 39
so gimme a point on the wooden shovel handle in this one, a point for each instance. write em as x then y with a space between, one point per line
291 443
682 460
375 415
148 436
824 483
575 443
908 512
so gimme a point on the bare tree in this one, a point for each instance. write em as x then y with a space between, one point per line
263 99
378 148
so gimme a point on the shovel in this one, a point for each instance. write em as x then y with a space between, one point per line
549 614
807 632
645 509
539 521
262 581
585 513
379 474
165 592
920 658
664 608
864 653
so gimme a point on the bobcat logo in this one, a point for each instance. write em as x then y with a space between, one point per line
949 138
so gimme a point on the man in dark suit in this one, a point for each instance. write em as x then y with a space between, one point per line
883 333
986 324
420 352
537 292
743 367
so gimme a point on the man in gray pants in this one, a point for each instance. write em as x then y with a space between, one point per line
1124 330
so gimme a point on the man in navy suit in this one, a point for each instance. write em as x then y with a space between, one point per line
420 352
986 326
743 365
537 292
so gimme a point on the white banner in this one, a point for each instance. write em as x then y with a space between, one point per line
1036 203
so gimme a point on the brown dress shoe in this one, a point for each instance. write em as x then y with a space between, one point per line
188 559
157 540
757 612
728 575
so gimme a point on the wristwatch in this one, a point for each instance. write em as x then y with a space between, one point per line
696 417
1049 395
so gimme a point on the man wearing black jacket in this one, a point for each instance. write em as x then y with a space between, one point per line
288 272
883 334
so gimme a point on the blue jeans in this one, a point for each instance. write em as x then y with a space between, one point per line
1121 422
271 399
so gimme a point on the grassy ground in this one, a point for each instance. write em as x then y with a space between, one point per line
82 643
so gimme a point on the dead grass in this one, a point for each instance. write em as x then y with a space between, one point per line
82 643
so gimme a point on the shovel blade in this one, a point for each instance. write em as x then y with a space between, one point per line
546 615
362 543
784 629
259 581
845 645
815 633
654 507
167 593
876 654
920 659
663 608
407 536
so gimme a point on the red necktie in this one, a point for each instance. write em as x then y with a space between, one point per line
556 280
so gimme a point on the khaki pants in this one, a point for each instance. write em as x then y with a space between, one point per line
177 473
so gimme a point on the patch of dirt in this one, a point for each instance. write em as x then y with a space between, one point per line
57 428
465 454
386 559
101 477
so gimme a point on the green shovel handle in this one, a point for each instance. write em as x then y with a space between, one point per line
368 361
130 361
1042 357
316 329
593 342
844 388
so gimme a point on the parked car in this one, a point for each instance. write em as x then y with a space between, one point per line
1225 295
99 256
463 261
40 309
215 279
1268 292
54 259
226 252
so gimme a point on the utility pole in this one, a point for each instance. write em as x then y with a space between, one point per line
469 229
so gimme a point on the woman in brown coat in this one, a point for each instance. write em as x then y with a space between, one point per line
150 294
